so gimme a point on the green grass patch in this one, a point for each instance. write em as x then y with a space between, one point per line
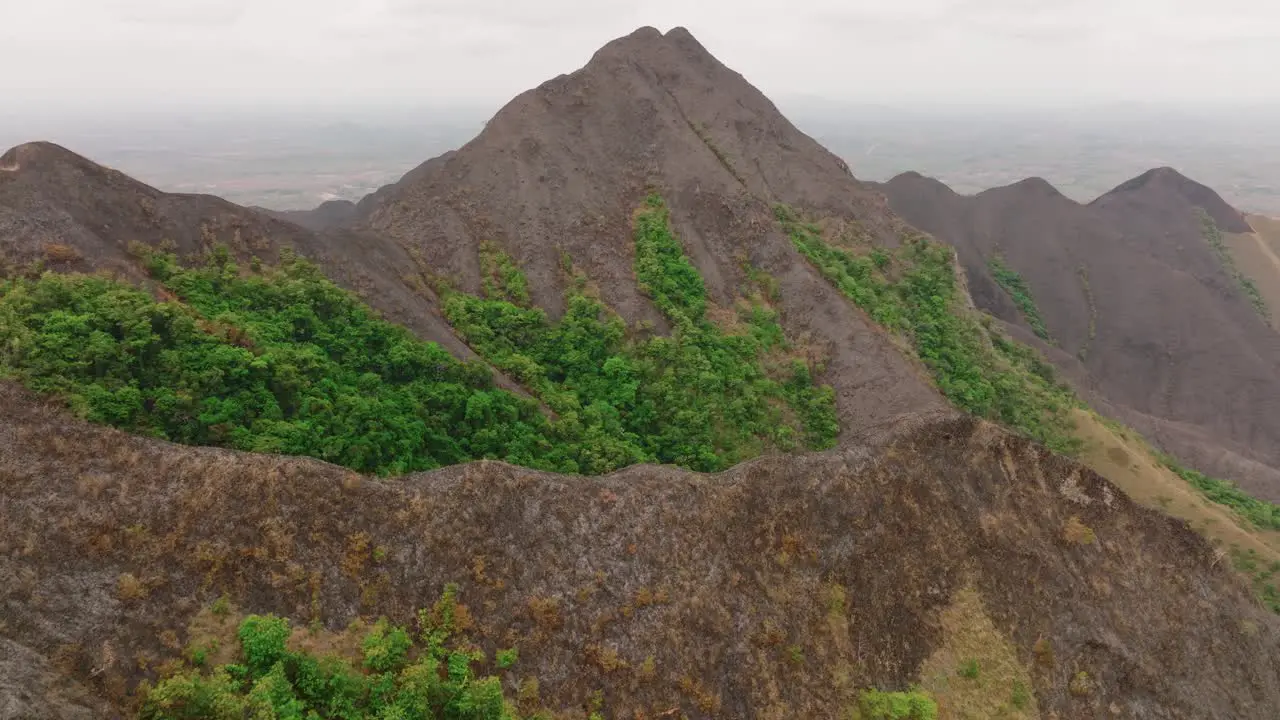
912 290
1258 513
1012 283
1262 575
910 705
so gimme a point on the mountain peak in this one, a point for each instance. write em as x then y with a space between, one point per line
40 154
647 44
1163 175
1165 184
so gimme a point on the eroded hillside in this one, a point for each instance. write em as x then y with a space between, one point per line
777 589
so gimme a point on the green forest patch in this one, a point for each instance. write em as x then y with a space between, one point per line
284 361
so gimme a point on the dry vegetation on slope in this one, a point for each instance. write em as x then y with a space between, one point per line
777 589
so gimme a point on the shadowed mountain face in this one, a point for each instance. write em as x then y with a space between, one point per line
1132 292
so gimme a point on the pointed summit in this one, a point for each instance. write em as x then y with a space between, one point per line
561 169
43 156
1037 185
1167 188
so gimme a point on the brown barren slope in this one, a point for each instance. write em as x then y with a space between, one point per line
560 170
1131 293
737 568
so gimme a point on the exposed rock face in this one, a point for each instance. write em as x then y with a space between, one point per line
1132 292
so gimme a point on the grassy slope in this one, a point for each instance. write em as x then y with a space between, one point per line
1257 254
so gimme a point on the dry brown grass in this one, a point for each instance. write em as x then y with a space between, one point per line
1076 532
129 587
59 253
971 639
1130 464
693 555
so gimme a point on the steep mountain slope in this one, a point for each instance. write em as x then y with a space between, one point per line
68 213
777 589
1131 290
558 173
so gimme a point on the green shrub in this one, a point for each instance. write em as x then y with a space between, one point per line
385 647
699 398
1012 282
979 370
1021 697
273 682
506 658
969 669
1259 513
912 705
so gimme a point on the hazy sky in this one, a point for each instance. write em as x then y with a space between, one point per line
349 52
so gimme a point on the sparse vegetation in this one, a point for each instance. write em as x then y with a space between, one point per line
59 253
1262 575
913 291
1082 272
1076 532
969 669
1012 282
433 677
1209 229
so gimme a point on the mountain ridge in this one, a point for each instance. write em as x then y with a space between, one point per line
902 544
1092 269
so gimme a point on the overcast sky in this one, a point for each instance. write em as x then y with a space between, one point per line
349 52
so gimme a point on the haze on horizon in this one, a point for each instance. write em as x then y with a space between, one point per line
137 54
286 104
